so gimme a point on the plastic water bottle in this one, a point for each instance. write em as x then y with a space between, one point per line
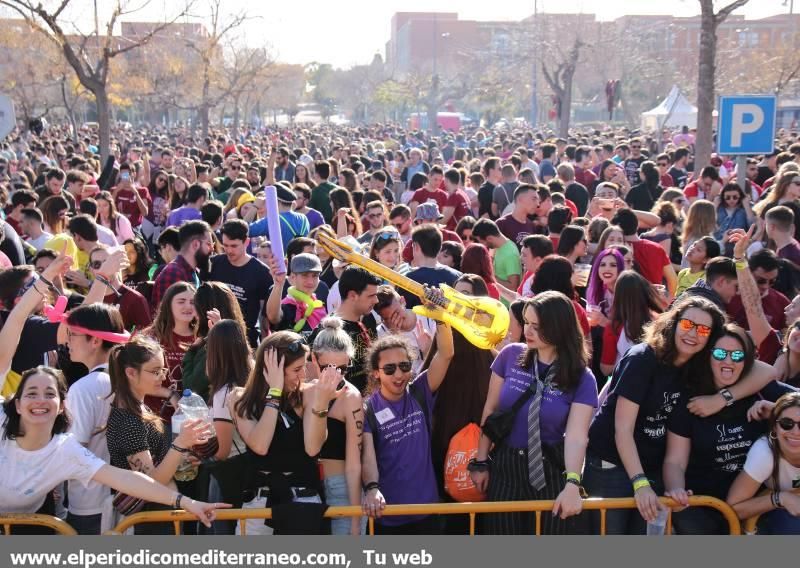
194 408
186 471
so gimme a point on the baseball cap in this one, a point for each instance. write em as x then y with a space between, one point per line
245 197
305 262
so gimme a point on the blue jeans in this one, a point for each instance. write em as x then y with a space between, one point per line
336 495
699 520
614 482
85 524
779 522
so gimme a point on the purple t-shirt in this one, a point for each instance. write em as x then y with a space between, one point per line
403 450
791 252
315 219
182 214
555 404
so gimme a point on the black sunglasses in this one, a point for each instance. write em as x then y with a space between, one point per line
390 369
296 346
787 424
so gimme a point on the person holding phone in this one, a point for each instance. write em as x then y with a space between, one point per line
132 201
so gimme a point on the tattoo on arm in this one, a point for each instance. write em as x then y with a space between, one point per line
360 427
137 464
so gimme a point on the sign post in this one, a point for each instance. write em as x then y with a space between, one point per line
746 127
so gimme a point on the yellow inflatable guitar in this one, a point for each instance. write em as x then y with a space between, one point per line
482 320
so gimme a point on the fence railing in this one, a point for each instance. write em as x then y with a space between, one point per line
9 520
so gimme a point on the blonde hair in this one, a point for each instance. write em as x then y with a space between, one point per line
700 221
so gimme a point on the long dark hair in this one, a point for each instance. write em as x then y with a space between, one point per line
555 273
98 317
12 425
216 295
559 327
789 400
143 260
132 355
228 356
291 348
660 333
704 383
164 322
634 302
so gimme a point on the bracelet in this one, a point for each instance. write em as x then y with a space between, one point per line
371 485
640 483
637 477
574 481
37 289
573 476
179 449
478 465
50 285
776 500
274 393
178 499
741 265
272 404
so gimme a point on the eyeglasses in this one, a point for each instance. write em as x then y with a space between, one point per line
787 424
387 236
162 179
235 167
636 147
390 369
733 197
761 281
160 372
96 264
719 354
688 325
398 226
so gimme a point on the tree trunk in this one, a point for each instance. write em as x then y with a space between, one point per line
566 104
432 107
235 125
705 85
104 122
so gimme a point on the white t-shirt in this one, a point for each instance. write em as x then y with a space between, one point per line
105 236
89 406
219 412
27 477
759 466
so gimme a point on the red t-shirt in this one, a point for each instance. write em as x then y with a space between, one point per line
651 259
423 196
126 204
770 348
582 319
459 201
774 304
610 339
667 181
693 190
447 236
174 378
132 306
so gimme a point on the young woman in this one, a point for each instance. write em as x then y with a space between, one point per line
464 229
788 363
301 175
704 455
450 255
39 455
333 420
136 437
174 329
733 210
613 235
385 248
471 285
397 466
213 301
526 466
54 211
608 265
228 363
627 440
783 190
157 216
269 415
177 191
477 260
774 461
701 221
346 221
664 232
139 263
573 243
108 217
555 273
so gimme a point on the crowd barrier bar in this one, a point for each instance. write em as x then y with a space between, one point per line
750 526
7 520
471 509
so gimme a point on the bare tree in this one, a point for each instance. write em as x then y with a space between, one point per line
560 82
91 61
706 68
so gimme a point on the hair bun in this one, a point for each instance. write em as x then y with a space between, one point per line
332 322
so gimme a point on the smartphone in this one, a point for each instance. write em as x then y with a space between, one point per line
125 176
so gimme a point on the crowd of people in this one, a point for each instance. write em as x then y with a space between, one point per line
653 348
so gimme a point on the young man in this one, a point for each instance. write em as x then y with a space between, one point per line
428 214
573 191
21 199
400 218
704 188
457 205
197 245
634 162
376 217
293 224
32 224
654 264
320 199
302 195
131 304
765 267
780 228
377 181
84 234
534 249
503 195
54 185
223 185
132 200
547 170
359 291
517 224
678 171
168 246
507 266
720 284
583 163
248 278
492 171
430 192
291 310
558 217
196 197
284 169
426 241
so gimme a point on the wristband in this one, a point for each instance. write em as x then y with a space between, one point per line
49 285
179 449
574 482
178 499
275 393
371 485
640 483
637 477
272 404
776 500
741 265
572 476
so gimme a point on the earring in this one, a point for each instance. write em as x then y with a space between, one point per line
773 436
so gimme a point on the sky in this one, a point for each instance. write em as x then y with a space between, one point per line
349 32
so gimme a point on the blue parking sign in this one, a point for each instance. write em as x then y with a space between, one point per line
746 124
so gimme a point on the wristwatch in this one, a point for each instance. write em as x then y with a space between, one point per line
321 413
726 394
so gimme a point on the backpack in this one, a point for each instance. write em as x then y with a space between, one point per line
417 394
463 447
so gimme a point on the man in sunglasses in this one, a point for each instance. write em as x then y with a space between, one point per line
765 268
376 216
634 162
223 185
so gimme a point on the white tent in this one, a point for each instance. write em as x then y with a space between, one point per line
673 111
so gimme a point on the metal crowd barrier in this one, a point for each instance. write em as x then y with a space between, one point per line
472 509
8 520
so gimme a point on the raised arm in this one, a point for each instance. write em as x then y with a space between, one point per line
257 434
444 354
318 399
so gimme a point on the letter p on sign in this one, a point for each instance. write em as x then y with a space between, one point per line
746 124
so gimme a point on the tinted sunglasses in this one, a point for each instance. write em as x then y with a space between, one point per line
296 346
387 236
762 281
688 325
787 424
737 355
390 369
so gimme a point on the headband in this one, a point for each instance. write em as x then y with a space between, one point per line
55 314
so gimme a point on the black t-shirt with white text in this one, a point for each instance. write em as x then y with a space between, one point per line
249 283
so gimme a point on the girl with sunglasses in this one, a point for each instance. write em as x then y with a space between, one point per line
334 421
397 466
704 455
773 461
271 414
733 210
627 440
386 247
